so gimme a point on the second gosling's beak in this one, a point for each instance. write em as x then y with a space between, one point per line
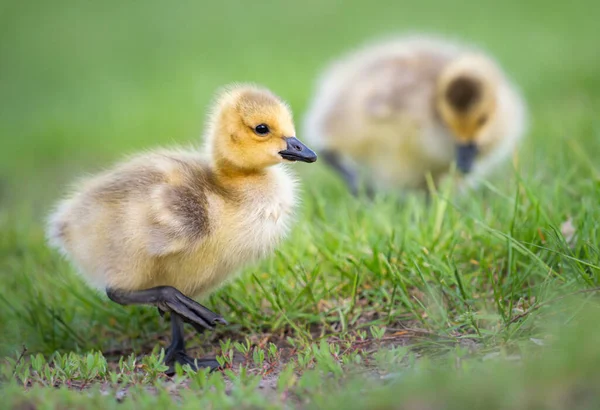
465 156
297 151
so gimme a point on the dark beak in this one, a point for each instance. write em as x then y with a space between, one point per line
465 156
297 151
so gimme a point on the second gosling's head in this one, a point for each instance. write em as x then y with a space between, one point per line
252 128
466 100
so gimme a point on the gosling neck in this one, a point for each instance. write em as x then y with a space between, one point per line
229 175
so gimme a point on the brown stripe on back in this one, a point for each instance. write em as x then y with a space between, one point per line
119 186
190 206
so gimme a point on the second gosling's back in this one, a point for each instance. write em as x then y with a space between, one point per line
188 219
411 106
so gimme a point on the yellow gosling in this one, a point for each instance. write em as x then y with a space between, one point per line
168 225
412 106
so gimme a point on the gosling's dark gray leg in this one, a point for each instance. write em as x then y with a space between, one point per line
169 299
182 309
175 353
334 160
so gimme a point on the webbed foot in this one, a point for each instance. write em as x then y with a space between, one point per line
179 356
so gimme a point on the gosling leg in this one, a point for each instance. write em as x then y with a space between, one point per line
182 309
175 353
169 299
349 175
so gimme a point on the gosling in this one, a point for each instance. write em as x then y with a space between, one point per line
409 107
166 226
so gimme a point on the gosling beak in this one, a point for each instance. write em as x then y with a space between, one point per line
465 156
297 151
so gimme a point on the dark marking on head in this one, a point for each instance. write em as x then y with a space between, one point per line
463 92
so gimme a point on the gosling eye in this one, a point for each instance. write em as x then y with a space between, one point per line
261 129
482 120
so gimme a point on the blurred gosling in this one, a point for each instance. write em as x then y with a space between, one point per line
169 225
409 107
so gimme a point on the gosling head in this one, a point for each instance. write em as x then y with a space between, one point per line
466 101
251 129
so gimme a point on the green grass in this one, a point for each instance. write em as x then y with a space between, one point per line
456 280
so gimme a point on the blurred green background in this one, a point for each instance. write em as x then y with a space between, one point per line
82 82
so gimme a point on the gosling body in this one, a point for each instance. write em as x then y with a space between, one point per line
165 218
404 108
168 225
